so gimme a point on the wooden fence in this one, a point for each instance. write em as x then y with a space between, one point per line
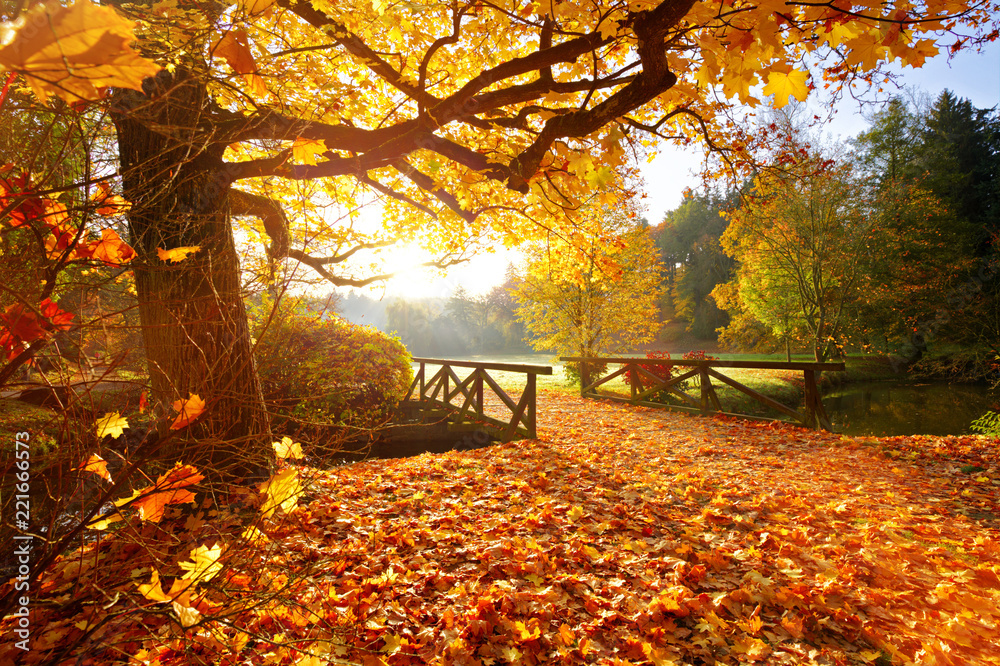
435 394
644 385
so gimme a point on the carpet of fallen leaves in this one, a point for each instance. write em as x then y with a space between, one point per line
620 536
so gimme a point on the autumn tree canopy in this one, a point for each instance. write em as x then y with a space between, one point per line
595 297
463 123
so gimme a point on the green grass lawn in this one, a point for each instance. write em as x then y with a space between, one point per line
42 424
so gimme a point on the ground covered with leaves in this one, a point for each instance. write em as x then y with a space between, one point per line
620 536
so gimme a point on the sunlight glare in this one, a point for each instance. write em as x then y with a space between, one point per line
412 279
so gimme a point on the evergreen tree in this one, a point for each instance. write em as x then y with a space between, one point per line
688 243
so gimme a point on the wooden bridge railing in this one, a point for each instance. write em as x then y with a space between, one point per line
443 386
645 385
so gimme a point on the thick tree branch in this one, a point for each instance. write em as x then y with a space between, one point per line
426 183
270 214
456 29
651 28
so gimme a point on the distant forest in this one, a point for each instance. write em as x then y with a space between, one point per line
461 325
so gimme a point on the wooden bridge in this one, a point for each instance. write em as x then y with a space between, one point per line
434 397
645 385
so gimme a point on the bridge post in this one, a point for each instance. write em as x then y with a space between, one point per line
529 390
479 392
705 384
633 379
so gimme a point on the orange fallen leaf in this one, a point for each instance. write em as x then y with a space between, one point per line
188 411
177 254
97 465
170 488
108 203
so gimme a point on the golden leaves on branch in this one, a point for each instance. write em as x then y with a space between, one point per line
73 52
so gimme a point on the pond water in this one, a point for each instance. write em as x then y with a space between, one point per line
887 408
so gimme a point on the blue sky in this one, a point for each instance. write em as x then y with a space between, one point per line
975 76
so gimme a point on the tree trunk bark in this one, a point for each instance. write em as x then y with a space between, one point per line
194 321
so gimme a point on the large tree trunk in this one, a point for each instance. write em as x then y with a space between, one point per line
194 322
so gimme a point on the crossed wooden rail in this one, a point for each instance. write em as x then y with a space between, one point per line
445 385
645 385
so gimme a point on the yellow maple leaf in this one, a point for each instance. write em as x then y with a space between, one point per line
525 632
306 150
176 254
74 52
112 424
393 643
97 465
282 490
153 590
783 85
188 410
600 177
919 52
608 29
865 51
286 448
204 564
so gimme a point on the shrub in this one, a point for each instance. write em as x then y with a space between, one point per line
319 368
699 355
663 372
987 424
594 370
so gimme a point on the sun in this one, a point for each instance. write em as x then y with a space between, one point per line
413 279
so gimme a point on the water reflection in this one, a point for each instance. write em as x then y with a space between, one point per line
885 408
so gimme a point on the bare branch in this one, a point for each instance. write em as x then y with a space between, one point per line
275 222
